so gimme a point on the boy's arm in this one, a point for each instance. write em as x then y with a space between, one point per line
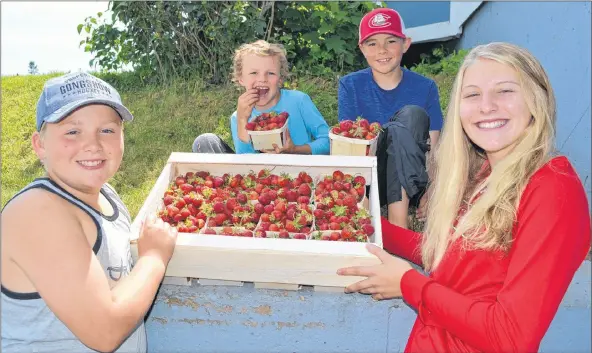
242 144
316 126
434 111
345 103
54 254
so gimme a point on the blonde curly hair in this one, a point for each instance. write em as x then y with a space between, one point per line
261 48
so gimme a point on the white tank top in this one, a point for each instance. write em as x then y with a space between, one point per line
28 325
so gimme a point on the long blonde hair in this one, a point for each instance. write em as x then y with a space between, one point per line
488 222
261 48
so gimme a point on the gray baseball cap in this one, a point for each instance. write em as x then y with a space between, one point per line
64 94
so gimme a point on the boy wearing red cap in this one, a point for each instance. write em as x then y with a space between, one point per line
405 103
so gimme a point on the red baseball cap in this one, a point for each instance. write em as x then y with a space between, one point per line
381 20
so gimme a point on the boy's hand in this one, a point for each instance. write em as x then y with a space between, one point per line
157 238
289 147
246 103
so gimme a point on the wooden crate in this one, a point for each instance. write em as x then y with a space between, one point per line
344 146
264 260
264 140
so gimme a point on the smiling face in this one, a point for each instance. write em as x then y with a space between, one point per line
82 151
262 73
384 52
493 109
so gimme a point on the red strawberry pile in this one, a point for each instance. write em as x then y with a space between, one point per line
268 205
267 121
357 129
288 220
339 188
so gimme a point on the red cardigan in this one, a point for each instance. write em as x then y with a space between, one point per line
489 301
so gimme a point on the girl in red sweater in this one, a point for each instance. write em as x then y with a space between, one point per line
508 222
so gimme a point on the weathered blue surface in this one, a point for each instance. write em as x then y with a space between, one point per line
558 34
421 13
244 319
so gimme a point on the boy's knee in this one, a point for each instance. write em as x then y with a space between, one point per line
203 139
412 114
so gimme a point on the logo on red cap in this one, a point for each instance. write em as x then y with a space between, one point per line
379 20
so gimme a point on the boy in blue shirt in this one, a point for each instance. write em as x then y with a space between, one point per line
406 104
261 68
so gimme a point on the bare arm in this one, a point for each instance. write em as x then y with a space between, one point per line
55 255
434 136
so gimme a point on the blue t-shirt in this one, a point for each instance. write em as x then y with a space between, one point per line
360 95
305 123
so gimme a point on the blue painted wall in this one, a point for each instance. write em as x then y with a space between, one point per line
558 34
243 319
421 13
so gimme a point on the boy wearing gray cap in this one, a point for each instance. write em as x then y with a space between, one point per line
67 278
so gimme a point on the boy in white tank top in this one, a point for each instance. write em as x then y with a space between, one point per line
68 280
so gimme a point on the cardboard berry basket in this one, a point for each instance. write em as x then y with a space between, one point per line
345 146
267 260
264 140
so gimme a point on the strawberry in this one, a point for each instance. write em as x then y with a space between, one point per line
261 233
277 215
284 235
180 203
304 190
346 125
185 213
264 199
363 123
186 188
231 204
218 207
168 199
292 196
259 208
335 236
359 180
220 218
299 236
172 210
180 181
318 213
349 201
368 229
268 208
303 199
375 128
250 126
337 175
334 226
242 198
209 231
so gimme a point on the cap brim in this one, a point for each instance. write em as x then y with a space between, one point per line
66 110
396 34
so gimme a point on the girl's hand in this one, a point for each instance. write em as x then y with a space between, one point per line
384 280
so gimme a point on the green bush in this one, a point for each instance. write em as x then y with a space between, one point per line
163 41
442 67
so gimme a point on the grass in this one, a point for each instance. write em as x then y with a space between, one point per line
166 119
